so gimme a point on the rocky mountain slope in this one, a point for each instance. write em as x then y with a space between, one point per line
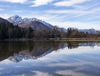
35 25
17 19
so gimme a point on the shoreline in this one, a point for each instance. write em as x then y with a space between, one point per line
55 39
80 39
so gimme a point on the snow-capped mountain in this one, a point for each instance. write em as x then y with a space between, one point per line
86 30
17 19
19 57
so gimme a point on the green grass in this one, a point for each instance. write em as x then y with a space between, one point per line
70 39
79 39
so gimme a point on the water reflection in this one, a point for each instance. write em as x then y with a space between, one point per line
17 51
22 50
49 58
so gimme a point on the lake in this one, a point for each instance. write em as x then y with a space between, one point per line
28 58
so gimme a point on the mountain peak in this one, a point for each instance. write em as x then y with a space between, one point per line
17 19
14 17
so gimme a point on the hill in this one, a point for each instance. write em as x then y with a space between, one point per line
34 24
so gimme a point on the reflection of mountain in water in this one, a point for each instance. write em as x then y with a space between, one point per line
23 55
72 45
33 49
17 51
36 52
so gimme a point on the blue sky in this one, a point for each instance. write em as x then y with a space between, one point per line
82 14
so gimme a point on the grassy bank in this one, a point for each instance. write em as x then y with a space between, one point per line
68 39
79 39
55 39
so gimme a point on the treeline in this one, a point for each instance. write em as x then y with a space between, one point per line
9 31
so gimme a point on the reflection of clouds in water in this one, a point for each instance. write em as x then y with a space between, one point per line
80 50
71 64
80 61
38 73
70 73
20 75
77 68
54 56
21 66
1 69
75 51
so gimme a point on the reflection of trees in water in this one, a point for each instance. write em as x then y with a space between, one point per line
36 48
32 48
76 44
72 45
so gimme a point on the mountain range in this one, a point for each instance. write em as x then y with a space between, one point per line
17 19
86 30
38 24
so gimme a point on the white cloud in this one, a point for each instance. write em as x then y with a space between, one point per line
20 75
69 2
35 2
4 16
63 20
76 11
20 66
18 11
15 1
78 25
4 5
70 73
41 2
68 11
1 9
1 69
46 17
38 73
83 18
75 64
43 18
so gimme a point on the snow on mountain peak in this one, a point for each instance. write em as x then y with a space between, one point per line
17 19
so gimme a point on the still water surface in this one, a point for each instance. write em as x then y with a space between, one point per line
49 58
